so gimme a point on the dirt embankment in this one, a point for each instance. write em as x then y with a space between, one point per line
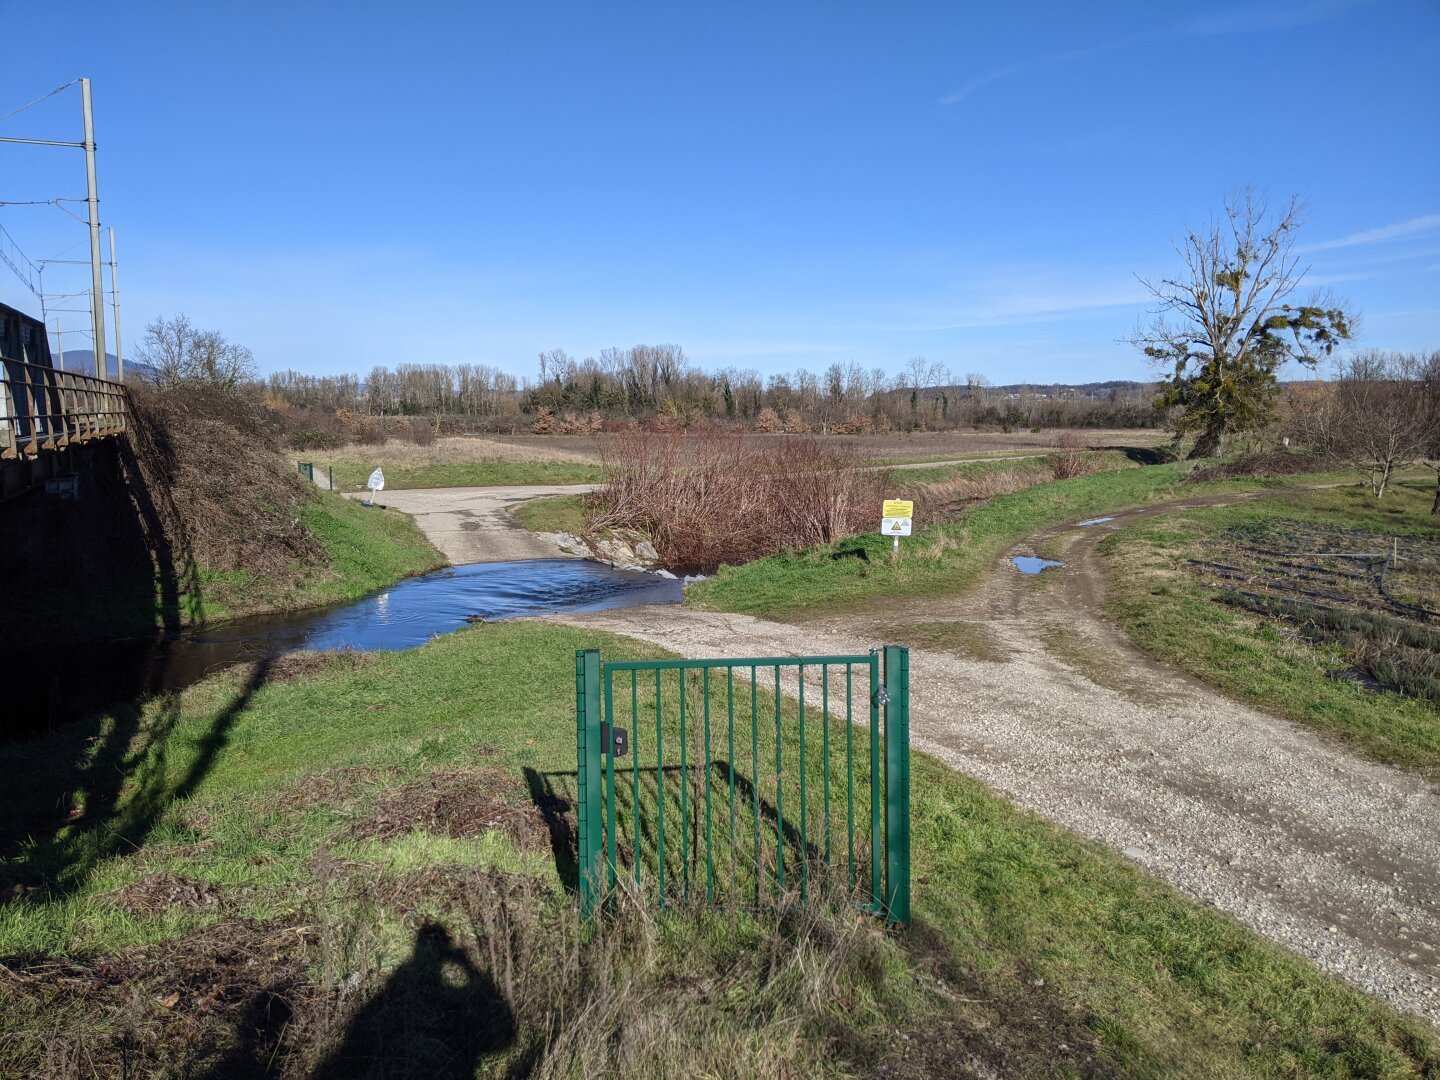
1024 685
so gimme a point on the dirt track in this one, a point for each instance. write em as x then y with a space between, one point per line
1024 685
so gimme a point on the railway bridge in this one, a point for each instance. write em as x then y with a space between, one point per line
46 414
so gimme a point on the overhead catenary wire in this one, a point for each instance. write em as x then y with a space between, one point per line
39 99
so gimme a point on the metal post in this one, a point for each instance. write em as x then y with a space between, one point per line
588 776
897 784
92 200
115 300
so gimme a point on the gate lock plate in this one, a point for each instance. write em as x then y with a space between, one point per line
614 741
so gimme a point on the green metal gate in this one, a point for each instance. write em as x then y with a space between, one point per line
750 781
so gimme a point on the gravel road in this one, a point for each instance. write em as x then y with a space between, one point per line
1302 841
471 525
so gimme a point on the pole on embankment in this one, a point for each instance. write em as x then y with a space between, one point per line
92 200
115 300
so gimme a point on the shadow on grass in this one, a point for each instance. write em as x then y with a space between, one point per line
82 795
555 809
705 834
437 1015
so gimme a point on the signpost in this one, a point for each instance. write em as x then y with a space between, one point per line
896 516
375 483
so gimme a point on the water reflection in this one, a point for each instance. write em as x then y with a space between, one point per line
57 683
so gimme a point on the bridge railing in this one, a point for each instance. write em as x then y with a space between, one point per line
42 408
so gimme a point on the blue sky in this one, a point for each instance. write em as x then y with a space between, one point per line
768 185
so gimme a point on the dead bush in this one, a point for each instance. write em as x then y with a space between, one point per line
1072 460
231 502
544 421
768 422
854 424
795 423
1275 463
714 498
420 432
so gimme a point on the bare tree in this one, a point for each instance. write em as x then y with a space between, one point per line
181 354
1224 328
1385 420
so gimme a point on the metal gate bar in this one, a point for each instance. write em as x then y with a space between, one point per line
602 823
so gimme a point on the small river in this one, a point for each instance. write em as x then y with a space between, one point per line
57 683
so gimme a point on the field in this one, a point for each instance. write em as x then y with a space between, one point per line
1292 603
458 461
298 865
473 461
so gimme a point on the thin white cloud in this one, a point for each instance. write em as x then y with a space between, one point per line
1224 22
1249 20
1380 235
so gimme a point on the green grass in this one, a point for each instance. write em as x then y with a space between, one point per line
940 558
1025 936
365 549
559 513
351 475
1171 613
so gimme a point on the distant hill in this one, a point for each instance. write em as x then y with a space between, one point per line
83 362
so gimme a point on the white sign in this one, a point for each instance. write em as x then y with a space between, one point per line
376 481
897 526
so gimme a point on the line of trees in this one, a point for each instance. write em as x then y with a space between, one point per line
659 383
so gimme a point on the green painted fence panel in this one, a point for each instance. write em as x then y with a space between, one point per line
698 817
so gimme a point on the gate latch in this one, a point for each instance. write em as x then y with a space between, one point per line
614 741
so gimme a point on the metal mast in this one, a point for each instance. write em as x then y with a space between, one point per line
115 300
97 294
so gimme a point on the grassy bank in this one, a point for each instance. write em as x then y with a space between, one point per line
350 474
1171 611
364 549
945 557
296 865
559 513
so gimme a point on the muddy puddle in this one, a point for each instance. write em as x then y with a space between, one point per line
1031 564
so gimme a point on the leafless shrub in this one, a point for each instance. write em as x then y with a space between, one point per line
420 432
1072 460
235 502
713 498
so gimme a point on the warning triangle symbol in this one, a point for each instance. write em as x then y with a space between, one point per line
895 527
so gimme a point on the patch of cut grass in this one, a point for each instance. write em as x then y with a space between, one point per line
351 474
1172 614
558 513
1025 937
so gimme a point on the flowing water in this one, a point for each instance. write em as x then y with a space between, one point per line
56 683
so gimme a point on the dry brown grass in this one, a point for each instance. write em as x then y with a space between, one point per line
449 450
222 496
484 972
938 498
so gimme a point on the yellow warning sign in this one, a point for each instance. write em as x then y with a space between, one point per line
898 508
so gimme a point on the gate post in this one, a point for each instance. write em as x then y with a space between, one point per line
587 776
897 784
